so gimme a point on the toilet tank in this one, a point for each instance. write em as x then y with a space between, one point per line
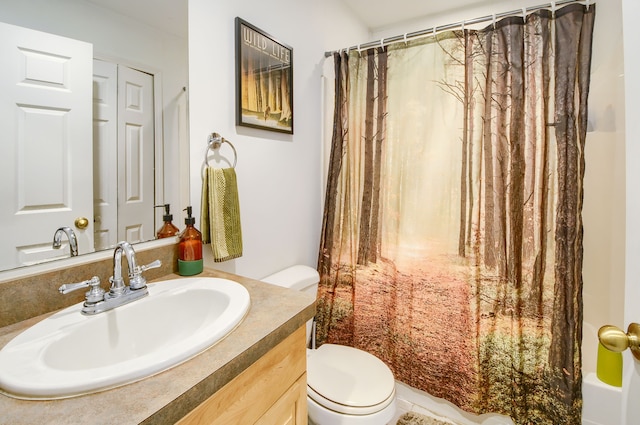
299 277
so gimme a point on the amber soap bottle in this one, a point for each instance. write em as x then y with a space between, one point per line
168 229
190 248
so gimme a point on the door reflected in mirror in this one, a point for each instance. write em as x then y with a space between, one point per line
94 118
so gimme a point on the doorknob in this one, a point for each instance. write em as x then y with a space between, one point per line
81 222
615 339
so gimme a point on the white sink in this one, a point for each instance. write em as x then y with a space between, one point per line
69 354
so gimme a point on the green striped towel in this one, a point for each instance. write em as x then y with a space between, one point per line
220 218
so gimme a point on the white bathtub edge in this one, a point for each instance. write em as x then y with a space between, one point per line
601 403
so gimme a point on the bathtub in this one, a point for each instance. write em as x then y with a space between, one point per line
602 403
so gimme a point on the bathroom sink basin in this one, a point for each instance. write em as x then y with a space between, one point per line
69 354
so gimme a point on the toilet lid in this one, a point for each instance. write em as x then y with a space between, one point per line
349 377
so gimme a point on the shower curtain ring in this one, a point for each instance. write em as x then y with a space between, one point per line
493 20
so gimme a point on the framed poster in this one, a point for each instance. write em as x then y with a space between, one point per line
264 80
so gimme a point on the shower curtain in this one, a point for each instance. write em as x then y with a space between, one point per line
451 245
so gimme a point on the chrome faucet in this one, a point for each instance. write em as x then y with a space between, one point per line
73 242
117 282
97 300
136 280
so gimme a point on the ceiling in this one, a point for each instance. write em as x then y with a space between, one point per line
375 14
169 15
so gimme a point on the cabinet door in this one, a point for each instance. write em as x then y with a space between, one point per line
267 392
291 408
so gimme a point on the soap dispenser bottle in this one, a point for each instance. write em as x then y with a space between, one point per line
168 229
190 248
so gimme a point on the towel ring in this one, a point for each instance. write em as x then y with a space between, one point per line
214 142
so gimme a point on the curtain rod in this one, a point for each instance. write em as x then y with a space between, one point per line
407 36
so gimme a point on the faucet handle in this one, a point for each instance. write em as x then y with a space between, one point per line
93 295
137 281
152 265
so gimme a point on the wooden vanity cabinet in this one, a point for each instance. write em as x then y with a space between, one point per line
272 391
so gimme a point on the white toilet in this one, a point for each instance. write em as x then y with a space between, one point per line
345 385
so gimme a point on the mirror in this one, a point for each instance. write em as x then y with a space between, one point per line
148 37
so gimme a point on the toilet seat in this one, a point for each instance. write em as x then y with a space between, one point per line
348 380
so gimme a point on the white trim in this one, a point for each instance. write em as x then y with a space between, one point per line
66 263
414 400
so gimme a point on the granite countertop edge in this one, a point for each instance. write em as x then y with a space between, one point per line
164 398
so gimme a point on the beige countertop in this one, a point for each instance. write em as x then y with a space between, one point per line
166 397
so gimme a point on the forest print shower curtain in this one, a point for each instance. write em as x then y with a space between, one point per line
452 236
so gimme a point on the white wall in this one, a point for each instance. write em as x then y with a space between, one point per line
605 183
279 175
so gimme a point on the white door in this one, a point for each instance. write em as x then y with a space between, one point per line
631 33
136 156
105 158
45 167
